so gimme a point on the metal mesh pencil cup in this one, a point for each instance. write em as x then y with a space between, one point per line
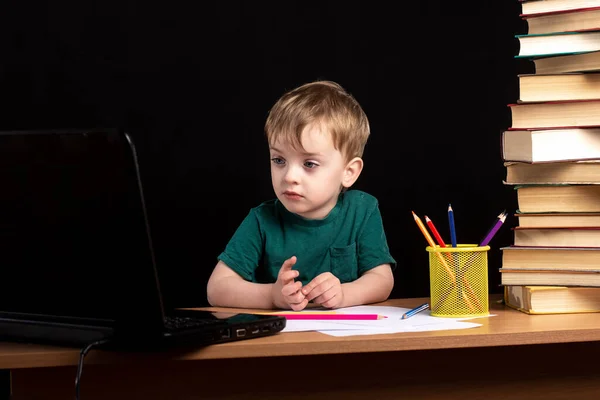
458 279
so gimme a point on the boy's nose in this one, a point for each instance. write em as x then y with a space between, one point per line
292 175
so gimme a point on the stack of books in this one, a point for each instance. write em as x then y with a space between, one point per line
551 153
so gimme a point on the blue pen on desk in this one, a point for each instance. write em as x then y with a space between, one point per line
414 311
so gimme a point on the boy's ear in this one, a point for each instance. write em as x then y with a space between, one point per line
352 172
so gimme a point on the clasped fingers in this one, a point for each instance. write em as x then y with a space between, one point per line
325 289
292 295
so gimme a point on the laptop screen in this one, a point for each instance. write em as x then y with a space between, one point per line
73 238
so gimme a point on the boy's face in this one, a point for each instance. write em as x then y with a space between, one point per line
308 181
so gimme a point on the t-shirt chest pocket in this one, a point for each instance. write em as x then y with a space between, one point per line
344 263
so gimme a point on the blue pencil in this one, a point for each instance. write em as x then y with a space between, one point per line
414 311
452 228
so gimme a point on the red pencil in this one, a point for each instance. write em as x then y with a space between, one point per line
436 234
338 317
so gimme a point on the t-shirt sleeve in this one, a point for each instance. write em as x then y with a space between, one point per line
245 248
372 246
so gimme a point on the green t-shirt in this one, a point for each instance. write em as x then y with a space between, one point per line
348 242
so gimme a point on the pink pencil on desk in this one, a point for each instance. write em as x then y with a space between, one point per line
332 317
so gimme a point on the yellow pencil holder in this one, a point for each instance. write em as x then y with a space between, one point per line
458 279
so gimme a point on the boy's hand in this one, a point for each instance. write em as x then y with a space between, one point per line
325 290
286 293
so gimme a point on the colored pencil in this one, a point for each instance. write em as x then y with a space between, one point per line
432 244
452 227
423 230
488 237
455 259
306 311
493 231
493 225
415 310
435 232
331 317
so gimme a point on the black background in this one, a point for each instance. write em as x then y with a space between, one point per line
192 84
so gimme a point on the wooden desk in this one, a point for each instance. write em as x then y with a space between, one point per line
512 356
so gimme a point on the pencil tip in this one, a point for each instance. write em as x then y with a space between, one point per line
449 207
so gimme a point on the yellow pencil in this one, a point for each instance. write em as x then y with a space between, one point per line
432 244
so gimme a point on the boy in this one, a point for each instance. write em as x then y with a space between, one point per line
317 242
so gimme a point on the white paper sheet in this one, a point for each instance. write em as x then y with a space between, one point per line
406 328
392 324
296 325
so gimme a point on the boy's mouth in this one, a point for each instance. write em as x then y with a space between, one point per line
292 195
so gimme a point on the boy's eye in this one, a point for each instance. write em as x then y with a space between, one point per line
310 164
277 161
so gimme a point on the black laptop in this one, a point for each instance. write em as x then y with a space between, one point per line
76 257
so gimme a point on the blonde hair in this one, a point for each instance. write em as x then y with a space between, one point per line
325 103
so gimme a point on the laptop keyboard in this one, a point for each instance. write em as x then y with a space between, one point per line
182 323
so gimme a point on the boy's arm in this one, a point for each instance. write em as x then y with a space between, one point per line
373 286
226 288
